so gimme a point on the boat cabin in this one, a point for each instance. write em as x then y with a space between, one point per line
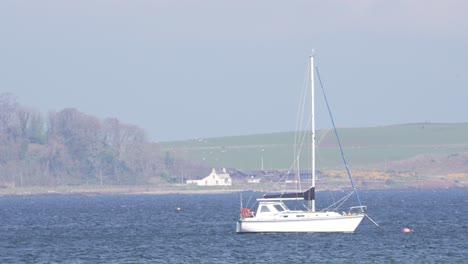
271 208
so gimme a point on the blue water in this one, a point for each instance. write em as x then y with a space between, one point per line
149 229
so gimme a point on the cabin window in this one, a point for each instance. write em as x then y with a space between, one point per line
279 207
264 209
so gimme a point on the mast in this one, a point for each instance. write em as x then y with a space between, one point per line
312 90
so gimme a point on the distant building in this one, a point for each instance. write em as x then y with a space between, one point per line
253 180
214 179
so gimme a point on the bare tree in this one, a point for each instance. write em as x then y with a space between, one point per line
75 148
8 106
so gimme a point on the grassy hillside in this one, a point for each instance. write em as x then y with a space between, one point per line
363 147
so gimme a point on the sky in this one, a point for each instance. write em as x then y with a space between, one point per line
198 69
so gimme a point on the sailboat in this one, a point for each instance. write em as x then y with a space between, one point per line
273 215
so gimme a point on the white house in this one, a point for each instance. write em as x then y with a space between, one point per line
253 180
214 179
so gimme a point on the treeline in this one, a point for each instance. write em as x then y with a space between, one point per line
72 148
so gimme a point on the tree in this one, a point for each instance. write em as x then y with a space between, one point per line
8 108
10 136
76 148
36 129
125 143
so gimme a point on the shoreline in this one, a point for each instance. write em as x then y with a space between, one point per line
107 191
184 189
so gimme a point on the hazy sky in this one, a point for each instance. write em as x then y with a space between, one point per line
189 69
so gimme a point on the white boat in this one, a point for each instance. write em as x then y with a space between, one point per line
272 214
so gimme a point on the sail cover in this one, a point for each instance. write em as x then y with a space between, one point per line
307 195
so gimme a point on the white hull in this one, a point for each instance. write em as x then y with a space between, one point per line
309 223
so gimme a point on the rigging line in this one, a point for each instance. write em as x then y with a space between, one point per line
338 139
283 178
299 134
339 203
241 205
333 197
300 150
375 223
342 201
248 201
299 116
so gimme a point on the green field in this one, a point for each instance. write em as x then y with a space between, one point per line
363 147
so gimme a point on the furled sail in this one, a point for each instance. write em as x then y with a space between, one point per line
307 195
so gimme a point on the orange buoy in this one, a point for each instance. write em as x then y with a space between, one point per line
407 230
245 212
